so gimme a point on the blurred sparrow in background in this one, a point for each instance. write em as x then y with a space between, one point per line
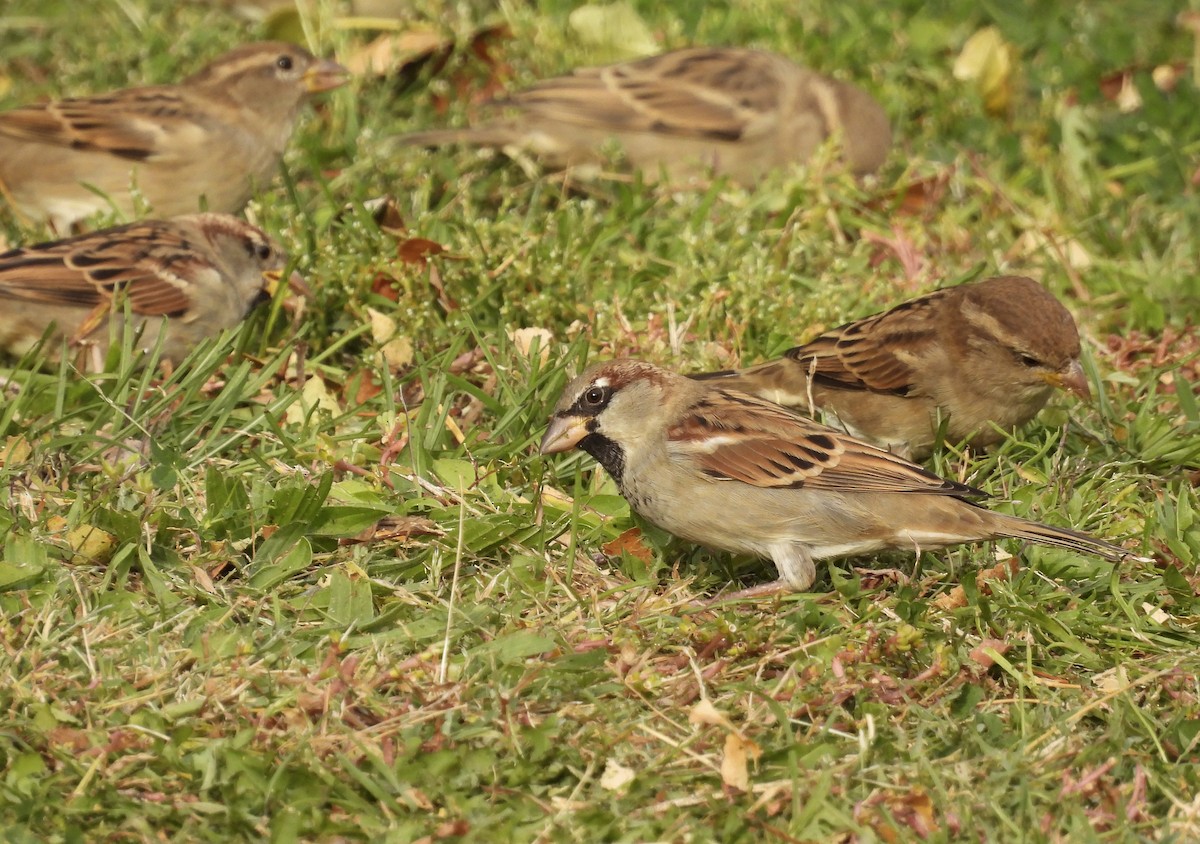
984 357
737 473
206 141
186 278
739 112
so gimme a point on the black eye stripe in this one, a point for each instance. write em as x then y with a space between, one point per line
592 400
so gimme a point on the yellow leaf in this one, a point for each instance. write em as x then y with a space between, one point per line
615 30
383 327
91 544
526 338
735 771
389 53
616 776
990 62
16 450
313 395
283 23
705 713
397 351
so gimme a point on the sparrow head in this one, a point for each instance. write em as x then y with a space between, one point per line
251 260
866 132
610 409
270 76
1017 331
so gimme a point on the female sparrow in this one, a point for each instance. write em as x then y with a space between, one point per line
981 357
737 112
742 474
182 279
206 141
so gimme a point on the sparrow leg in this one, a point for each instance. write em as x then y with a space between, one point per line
796 574
795 565
763 590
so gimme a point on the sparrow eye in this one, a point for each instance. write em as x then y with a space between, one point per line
1029 361
284 63
258 249
596 396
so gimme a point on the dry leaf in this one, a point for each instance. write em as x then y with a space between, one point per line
629 542
616 777
397 352
1157 614
526 338
204 580
416 250
15 452
1166 76
314 395
1112 680
386 286
393 528
957 597
90 544
703 712
1128 98
990 62
980 654
386 214
393 51
735 771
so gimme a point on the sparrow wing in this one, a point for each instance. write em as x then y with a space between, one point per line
148 262
137 124
720 94
879 353
737 437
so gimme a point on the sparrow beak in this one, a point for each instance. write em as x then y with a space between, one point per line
325 75
295 283
1072 380
564 433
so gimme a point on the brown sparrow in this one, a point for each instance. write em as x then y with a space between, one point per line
741 474
185 279
739 112
207 140
984 357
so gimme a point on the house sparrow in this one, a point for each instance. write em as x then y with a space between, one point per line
738 473
184 278
208 140
985 357
739 112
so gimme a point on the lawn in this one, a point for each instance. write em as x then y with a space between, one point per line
316 584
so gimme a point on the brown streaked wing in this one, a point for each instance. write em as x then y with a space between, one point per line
686 94
88 270
865 354
742 438
129 123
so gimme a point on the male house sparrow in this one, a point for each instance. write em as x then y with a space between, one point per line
737 473
739 112
984 356
185 278
209 139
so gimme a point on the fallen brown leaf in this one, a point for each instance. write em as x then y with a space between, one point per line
630 542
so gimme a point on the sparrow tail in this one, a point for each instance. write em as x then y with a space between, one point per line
1016 528
481 136
713 376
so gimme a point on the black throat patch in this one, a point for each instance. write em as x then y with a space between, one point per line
607 453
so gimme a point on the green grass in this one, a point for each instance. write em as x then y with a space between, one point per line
338 601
